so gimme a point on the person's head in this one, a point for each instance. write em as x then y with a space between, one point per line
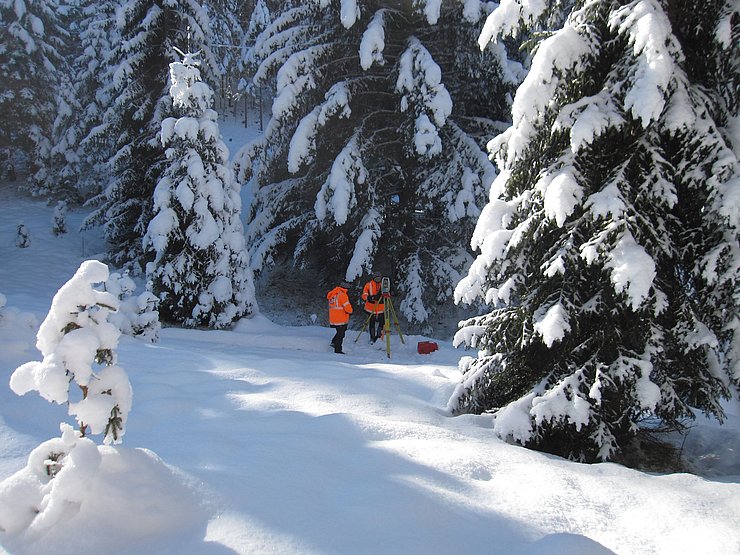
377 276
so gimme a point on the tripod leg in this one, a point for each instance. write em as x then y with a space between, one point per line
387 327
395 321
363 327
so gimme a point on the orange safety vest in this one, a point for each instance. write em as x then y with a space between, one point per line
372 287
339 306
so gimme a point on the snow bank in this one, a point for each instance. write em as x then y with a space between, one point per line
98 497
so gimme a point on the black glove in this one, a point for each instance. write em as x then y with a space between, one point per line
372 298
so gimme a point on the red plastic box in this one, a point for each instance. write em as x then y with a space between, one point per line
426 347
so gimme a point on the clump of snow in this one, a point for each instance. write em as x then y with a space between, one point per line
303 143
564 50
649 32
430 9
553 325
365 245
587 118
426 138
420 83
505 19
337 195
563 401
632 270
412 306
562 194
514 421
349 13
464 204
293 79
372 43
69 482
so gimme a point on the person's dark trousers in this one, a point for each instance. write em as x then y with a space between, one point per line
338 337
376 324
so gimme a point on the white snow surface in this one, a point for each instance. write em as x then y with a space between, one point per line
262 440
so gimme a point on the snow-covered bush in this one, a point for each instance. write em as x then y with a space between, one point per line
59 219
137 314
23 236
78 345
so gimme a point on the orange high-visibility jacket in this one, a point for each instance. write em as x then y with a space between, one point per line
372 287
339 306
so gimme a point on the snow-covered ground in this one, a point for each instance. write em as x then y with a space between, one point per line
262 440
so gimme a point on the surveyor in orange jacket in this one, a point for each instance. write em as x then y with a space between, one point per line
374 305
339 310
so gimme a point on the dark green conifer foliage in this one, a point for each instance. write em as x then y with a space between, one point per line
608 249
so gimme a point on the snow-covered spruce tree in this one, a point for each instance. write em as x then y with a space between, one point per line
59 219
81 148
368 162
78 345
58 179
31 40
64 161
149 32
22 236
259 20
137 315
200 271
226 32
609 248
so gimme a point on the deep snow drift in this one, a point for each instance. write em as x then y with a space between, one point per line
262 440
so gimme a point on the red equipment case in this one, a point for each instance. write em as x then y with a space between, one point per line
426 347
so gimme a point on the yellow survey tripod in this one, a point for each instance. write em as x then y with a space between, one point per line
388 311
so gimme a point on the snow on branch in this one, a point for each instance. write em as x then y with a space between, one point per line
303 143
649 33
464 204
561 193
507 18
412 306
420 83
588 118
632 270
295 77
565 50
372 43
430 9
365 245
552 325
349 13
337 195
278 41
